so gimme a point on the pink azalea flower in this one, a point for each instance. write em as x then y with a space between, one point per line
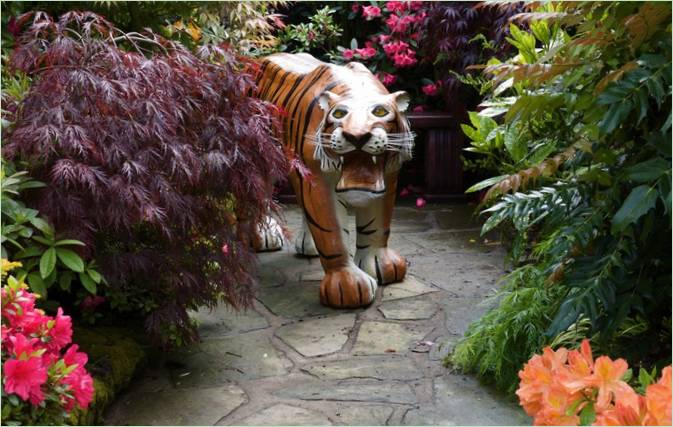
415 5
405 191
74 357
24 377
370 43
366 52
355 8
395 47
81 386
384 38
225 249
371 12
398 24
348 54
396 6
61 333
402 60
389 79
429 89
419 109
420 202
19 345
31 322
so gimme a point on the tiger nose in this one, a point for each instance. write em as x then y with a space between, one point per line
358 140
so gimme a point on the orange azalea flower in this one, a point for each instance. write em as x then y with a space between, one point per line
658 398
556 401
535 378
629 410
607 377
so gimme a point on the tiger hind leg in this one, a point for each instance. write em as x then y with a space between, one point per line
304 244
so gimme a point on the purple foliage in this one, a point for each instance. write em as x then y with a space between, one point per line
151 155
449 45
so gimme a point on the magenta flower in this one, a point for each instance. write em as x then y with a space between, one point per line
420 202
395 47
24 377
81 386
371 12
61 333
348 54
396 6
366 52
389 79
430 89
355 8
91 302
419 109
403 60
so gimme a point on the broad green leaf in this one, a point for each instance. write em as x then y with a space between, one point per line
638 203
65 280
36 284
44 241
47 262
94 275
648 170
516 146
29 252
70 259
88 283
486 183
615 115
42 225
69 242
587 415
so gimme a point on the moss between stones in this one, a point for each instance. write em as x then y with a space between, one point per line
114 358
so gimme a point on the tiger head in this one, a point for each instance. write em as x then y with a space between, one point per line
364 133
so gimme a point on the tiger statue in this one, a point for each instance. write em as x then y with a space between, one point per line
352 136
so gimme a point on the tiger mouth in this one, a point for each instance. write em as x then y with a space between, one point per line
361 171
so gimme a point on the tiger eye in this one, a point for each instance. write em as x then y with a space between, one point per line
339 114
379 111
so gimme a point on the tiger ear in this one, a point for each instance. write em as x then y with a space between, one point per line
327 99
402 100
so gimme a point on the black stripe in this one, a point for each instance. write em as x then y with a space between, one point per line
342 204
395 270
360 294
279 87
360 263
270 82
378 270
367 233
362 246
292 89
311 221
343 190
386 232
302 243
341 294
362 228
266 240
328 257
346 231
298 102
307 117
277 95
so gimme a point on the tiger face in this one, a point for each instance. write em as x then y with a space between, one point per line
363 136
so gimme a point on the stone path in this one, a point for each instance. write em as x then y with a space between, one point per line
291 361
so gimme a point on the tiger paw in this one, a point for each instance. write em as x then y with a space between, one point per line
347 287
386 265
269 236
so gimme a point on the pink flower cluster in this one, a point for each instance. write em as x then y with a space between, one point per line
34 367
401 29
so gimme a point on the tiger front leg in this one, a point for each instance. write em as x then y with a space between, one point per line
344 284
372 253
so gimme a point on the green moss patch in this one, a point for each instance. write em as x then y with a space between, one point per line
114 357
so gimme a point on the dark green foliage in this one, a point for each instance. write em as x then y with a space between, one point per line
594 217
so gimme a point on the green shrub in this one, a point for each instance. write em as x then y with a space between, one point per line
578 125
